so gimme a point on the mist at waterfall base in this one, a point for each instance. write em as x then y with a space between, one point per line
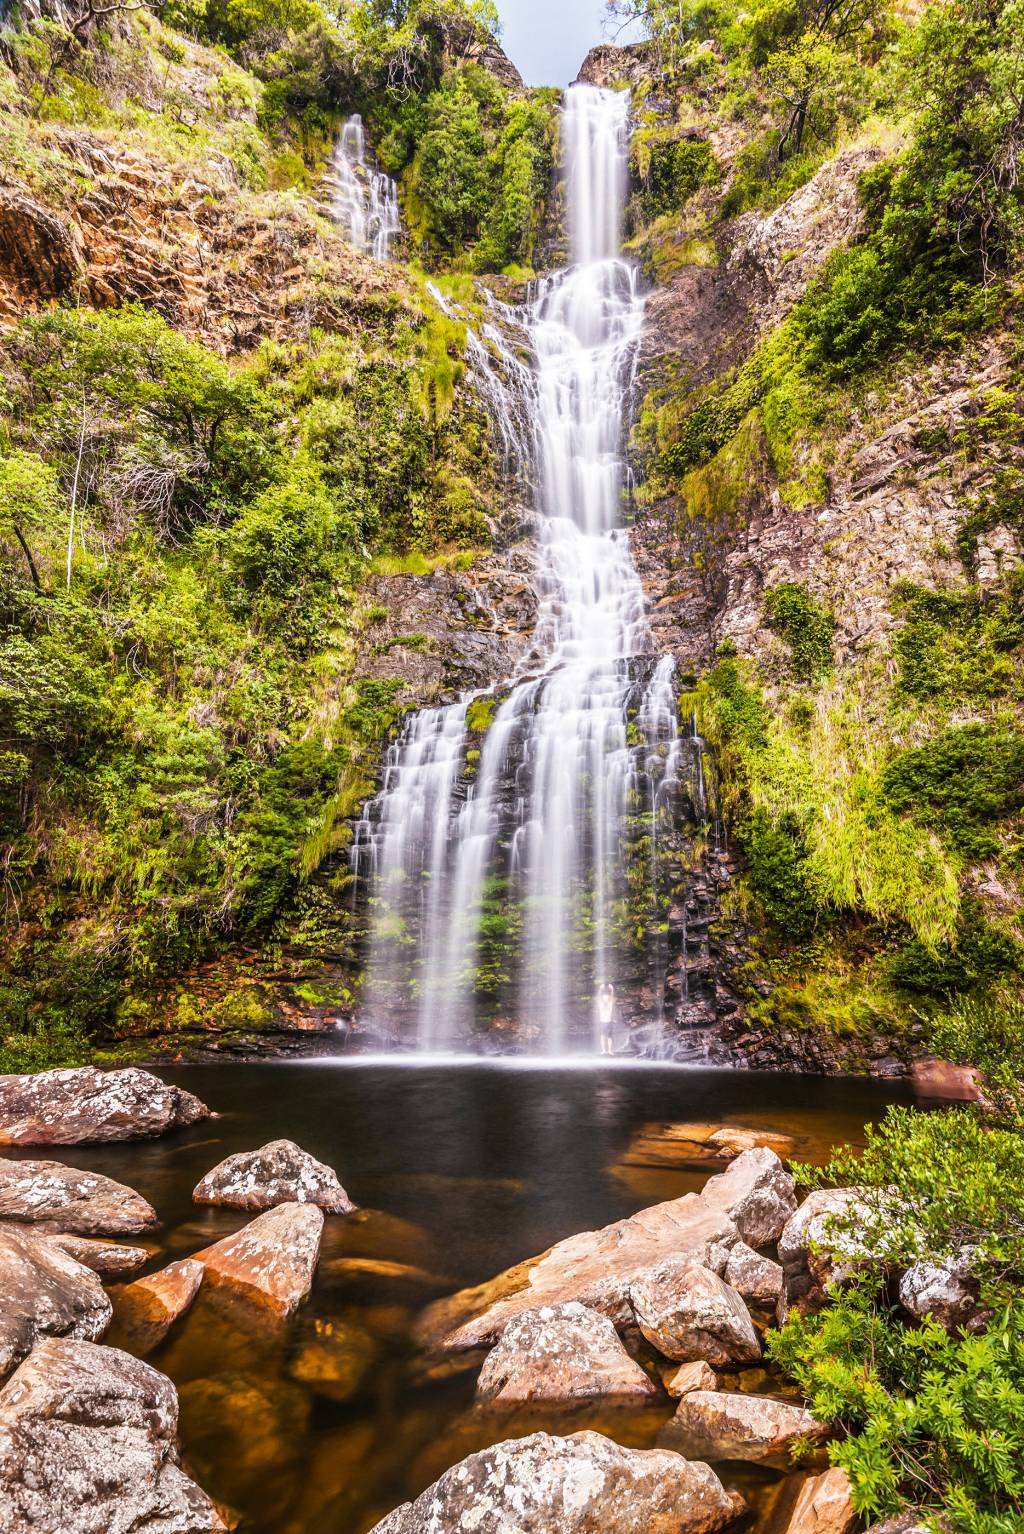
516 869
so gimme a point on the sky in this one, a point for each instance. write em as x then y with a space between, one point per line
549 39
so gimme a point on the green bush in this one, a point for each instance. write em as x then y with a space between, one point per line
805 625
963 783
779 874
980 957
958 647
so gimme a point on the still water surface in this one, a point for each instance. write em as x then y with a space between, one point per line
460 1170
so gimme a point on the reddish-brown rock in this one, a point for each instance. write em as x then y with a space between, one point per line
85 1106
145 1311
271 1261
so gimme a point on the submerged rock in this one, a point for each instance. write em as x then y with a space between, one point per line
62 1199
85 1106
546 1485
560 1353
278 1173
689 1313
44 1292
335 1360
271 1261
719 1424
88 1446
752 1199
145 1311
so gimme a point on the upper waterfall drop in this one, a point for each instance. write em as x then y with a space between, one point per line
364 200
514 885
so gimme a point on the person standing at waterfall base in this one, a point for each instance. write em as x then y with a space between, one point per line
606 1017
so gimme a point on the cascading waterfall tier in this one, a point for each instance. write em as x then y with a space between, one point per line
521 852
364 201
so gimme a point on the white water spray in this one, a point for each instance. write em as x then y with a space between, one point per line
364 201
506 884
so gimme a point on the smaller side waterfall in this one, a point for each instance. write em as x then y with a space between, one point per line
364 201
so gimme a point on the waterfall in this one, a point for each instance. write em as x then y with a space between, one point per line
364 201
516 847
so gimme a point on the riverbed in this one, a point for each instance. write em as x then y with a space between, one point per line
460 1169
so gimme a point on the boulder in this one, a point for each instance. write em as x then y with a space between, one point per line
689 1144
278 1173
88 1446
756 1279
145 1311
752 1199
718 1424
823 1506
106 1258
944 1082
696 1375
687 1312
756 1193
62 1199
547 1485
271 1261
946 1291
733 1140
820 1245
560 1353
44 1292
83 1106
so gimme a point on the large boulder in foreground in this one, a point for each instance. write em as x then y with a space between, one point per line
270 1262
278 1173
145 1311
720 1424
752 1201
546 1485
85 1106
63 1199
689 1313
44 1292
88 1446
560 1354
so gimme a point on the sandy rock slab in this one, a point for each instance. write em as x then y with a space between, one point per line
44 1292
88 1445
62 1199
688 1313
751 1201
278 1173
547 1485
87 1106
270 1262
561 1354
720 1424
145 1311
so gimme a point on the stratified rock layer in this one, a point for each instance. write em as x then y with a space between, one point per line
88 1446
546 1485
84 1106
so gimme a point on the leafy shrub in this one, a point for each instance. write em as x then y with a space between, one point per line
805 625
958 646
979 957
779 874
963 784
